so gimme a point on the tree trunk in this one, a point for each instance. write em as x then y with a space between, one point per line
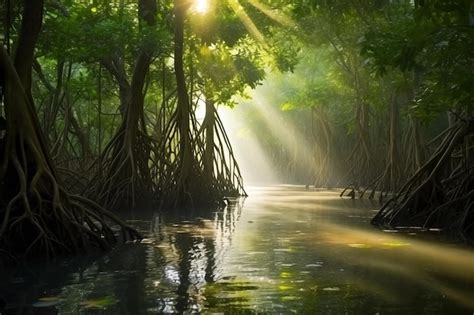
125 160
184 105
115 66
39 217
183 111
29 31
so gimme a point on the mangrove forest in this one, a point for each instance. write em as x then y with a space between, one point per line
236 157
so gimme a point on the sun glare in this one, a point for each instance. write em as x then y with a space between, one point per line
201 6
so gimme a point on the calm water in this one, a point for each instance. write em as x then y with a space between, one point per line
283 250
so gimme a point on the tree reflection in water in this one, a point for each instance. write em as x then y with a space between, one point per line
165 273
289 250
194 251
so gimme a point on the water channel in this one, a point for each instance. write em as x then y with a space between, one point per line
282 250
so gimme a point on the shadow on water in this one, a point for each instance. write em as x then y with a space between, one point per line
287 250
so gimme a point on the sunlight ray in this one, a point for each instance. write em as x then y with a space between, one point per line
274 14
256 167
290 137
451 261
247 21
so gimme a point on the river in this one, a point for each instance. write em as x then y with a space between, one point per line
282 250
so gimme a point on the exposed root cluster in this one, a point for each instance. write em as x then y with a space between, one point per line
38 217
135 170
123 177
182 173
396 168
441 193
226 176
36 222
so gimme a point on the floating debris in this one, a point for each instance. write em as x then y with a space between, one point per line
396 244
147 241
47 301
284 287
290 298
288 265
283 250
99 303
359 245
316 265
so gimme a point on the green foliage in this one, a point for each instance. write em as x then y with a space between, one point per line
85 34
284 49
316 83
92 31
330 57
435 41
225 72
222 25
230 60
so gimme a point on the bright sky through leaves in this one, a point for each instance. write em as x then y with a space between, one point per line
201 6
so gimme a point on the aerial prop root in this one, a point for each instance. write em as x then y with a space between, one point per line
430 197
359 161
40 217
55 221
123 168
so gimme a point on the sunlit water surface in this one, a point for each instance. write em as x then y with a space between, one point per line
283 250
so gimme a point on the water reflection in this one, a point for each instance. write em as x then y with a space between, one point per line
186 253
320 248
166 273
288 250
